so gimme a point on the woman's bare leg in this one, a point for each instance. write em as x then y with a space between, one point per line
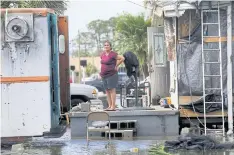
108 94
113 98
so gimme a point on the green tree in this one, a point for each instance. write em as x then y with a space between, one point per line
90 69
97 28
111 24
102 30
59 6
86 40
85 43
131 35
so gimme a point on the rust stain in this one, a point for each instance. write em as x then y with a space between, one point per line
24 79
64 63
41 11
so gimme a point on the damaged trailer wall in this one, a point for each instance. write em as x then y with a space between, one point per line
189 56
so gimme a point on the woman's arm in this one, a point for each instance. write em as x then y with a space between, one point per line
119 59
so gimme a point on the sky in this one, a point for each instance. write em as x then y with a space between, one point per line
81 12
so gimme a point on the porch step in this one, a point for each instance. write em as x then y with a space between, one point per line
123 125
127 124
125 134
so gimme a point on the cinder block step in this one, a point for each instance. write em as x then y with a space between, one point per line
114 125
125 134
115 133
127 124
128 134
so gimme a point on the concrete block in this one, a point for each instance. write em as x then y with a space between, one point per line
17 149
85 107
128 134
115 134
103 134
114 125
131 124
127 124
149 122
96 105
184 131
123 125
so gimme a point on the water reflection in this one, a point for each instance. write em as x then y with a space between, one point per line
138 147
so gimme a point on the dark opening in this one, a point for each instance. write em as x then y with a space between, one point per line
113 125
123 125
131 125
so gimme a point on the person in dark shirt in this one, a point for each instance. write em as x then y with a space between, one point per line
110 61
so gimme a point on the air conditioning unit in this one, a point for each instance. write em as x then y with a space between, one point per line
19 27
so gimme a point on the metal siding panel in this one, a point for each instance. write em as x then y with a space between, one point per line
64 70
26 106
56 105
28 113
41 11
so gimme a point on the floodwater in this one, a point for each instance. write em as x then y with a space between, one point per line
67 146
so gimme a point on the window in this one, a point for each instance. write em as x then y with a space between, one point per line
159 50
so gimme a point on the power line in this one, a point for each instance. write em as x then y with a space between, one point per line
139 5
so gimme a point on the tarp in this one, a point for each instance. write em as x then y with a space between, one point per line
198 105
190 73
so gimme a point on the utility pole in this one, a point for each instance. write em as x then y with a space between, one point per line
79 56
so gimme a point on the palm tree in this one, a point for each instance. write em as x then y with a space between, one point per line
131 35
59 6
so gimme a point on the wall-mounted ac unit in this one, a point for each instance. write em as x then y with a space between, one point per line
19 27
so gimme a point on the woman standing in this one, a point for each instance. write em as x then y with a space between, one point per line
110 61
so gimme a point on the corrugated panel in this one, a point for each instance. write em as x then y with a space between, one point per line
55 110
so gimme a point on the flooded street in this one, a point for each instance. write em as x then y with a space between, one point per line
165 67
66 145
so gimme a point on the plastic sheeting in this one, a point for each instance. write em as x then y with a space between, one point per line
198 105
190 60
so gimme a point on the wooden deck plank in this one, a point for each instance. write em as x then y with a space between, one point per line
183 100
216 39
190 113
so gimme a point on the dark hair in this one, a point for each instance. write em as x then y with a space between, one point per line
107 41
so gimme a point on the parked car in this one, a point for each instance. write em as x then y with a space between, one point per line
82 93
91 78
122 77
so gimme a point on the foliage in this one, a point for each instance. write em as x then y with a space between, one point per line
157 150
85 41
131 35
102 30
97 27
59 6
126 32
90 69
